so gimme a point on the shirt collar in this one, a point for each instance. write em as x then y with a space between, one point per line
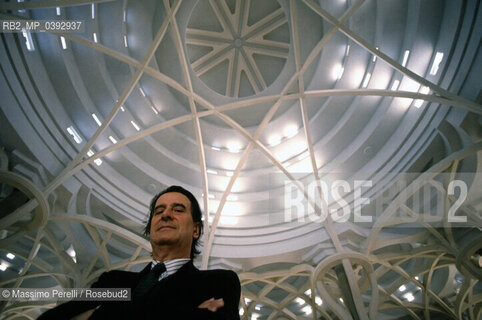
172 266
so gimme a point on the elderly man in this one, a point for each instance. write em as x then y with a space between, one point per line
170 287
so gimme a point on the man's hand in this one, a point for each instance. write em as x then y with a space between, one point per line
212 304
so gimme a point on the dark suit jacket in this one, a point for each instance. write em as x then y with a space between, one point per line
175 297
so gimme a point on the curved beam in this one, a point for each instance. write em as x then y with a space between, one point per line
429 276
37 200
109 227
414 186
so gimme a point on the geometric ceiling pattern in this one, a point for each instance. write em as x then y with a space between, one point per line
334 146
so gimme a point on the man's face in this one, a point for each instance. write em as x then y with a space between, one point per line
172 223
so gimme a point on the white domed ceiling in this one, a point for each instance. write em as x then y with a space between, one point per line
334 146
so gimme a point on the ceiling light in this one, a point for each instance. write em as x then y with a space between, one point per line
212 171
96 119
112 139
258 307
97 161
232 207
94 35
64 43
338 71
92 10
409 296
290 131
356 76
125 41
10 256
155 110
419 102
229 163
307 310
417 278
122 109
71 253
308 292
341 300
289 151
57 11
347 50
436 63
247 300
402 288
3 267
274 140
216 148
28 40
77 138
241 311
405 57
367 80
299 301
374 56
234 146
255 316
424 90
395 85
135 125
142 92
318 301
21 10
124 16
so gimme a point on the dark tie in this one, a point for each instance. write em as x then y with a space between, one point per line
148 282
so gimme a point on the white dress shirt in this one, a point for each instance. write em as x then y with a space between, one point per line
171 266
